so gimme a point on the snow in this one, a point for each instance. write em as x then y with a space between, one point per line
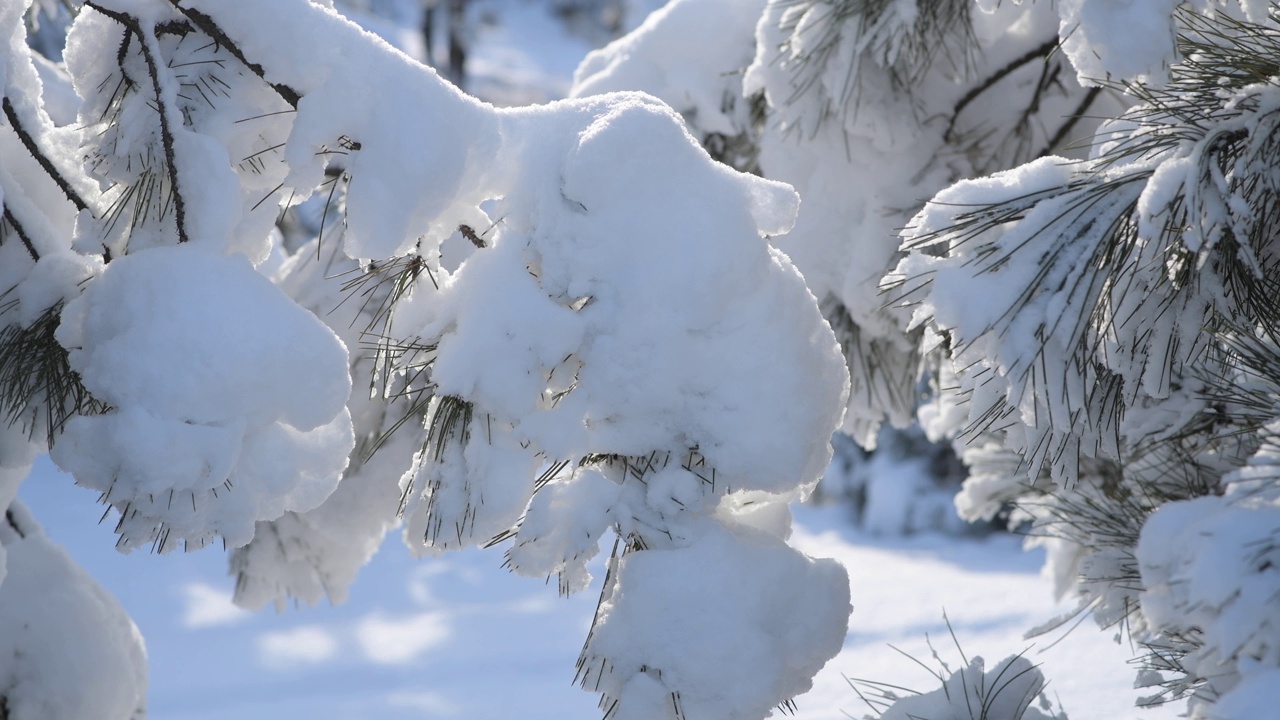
53 281
314 555
201 400
627 304
693 327
1119 40
1013 688
1133 41
512 644
627 308
991 592
107 673
671 55
1210 563
736 604
865 126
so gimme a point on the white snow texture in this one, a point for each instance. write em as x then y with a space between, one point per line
591 332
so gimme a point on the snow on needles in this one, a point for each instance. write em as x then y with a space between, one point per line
1117 40
625 302
616 346
1209 566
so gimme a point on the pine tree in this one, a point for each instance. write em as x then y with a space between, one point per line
560 323
1089 320
1120 359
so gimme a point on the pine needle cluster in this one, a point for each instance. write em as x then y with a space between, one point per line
1135 360
1151 248
828 41
39 391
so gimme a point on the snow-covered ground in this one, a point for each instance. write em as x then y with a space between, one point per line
991 591
459 637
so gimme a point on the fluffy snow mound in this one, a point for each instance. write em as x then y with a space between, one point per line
227 400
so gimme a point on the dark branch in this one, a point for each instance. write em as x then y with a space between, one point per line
122 52
22 234
1038 52
210 28
30 144
173 27
1072 119
13 523
166 132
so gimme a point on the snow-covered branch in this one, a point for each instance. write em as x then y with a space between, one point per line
546 290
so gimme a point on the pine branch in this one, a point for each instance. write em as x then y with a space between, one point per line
1142 300
36 378
450 424
34 150
882 373
211 28
133 27
1074 118
904 50
21 233
1039 52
